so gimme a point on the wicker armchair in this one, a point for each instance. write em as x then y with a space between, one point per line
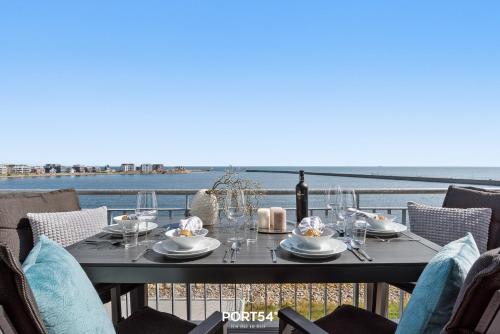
476 310
19 312
465 198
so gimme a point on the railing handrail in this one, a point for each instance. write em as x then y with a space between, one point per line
361 191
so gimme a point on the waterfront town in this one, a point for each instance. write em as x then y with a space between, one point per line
13 170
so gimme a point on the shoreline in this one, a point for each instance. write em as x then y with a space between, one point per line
166 172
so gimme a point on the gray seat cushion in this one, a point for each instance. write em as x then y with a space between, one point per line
15 229
481 282
470 197
16 297
151 321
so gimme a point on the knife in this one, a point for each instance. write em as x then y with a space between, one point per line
349 247
362 251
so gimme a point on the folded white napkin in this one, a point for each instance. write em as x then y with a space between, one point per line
308 223
193 224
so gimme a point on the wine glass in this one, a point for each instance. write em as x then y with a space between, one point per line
334 201
146 211
234 208
348 202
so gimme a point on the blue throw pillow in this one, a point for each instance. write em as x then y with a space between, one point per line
67 301
432 301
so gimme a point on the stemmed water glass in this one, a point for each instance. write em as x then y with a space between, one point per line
334 201
146 211
348 202
234 208
339 201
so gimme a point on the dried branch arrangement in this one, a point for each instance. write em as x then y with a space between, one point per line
232 180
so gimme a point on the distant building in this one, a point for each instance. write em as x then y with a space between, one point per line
127 167
146 168
52 168
108 169
4 170
158 167
21 169
80 168
38 170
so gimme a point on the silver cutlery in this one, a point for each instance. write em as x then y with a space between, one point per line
234 250
273 254
224 259
141 254
111 242
398 238
349 247
357 246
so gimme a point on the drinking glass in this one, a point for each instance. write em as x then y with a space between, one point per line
146 211
251 229
359 231
130 230
234 208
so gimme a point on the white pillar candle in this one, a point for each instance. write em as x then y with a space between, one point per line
272 222
280 220
263 216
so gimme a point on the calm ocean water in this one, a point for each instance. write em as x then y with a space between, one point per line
268 181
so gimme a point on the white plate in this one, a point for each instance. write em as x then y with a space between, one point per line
391 229
173 247
209 245
116 229
336 247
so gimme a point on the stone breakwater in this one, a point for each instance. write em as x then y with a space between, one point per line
256 292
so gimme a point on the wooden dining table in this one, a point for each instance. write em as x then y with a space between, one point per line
396 261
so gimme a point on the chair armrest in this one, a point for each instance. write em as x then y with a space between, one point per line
211 325
406 287
6 326
490 320
288 316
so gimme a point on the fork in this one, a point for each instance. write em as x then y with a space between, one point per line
273 253
224 259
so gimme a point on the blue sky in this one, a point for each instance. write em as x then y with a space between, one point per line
251 82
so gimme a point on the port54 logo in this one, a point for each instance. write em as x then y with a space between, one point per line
249 316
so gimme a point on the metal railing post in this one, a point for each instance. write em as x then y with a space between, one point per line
186 212
188 301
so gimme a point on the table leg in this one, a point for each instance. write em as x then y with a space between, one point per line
377 298
138 298
116 306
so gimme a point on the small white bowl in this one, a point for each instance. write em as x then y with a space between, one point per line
378 224
314 242
119 219
186 242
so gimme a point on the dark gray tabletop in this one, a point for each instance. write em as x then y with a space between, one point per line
396 261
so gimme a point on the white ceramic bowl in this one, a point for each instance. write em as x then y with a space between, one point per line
186 242
378 224
314 242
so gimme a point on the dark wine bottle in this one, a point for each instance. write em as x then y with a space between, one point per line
301 198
